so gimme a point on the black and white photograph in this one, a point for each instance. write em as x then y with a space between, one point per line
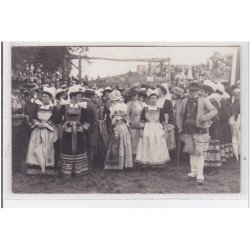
124 125
125 119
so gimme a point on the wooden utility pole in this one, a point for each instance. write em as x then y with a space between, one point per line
149 60
63 69
120 59
169 73
80 68
235 61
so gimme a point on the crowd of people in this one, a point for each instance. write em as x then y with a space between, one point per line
72 129
217 67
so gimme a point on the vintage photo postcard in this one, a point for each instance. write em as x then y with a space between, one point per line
125 124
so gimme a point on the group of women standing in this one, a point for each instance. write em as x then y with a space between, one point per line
72 133
140 130
65 127
132 134
221 133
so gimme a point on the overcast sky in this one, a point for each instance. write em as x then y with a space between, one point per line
178 55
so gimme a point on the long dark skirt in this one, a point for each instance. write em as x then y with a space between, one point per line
19 147
100 151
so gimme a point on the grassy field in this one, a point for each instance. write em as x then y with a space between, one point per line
136 180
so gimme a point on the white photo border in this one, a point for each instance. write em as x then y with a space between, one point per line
126 200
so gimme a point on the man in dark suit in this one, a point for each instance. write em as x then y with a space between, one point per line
92 131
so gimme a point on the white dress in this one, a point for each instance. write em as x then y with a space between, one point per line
41 149
119 151
152 148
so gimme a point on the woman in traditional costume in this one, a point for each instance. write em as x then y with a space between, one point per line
40 155
225 112
152 148
100 133
73 120
60 98
142 96
119 152
212 156
164 102
101 116
134 110
107 105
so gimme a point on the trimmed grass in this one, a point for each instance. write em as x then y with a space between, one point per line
135 180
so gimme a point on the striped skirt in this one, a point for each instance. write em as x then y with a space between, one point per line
36 170
226 151
74 164
213 154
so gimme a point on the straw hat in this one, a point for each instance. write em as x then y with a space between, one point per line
49 91
178 91
75 89
210 84
194 86
107 89
115 95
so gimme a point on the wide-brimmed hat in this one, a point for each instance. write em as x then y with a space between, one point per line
133 92
136 85
163 88
220 87
98 93
64 86
143 92
75 89
59 91
107 89
178 91
194 86
115 95
89 92
120 88
49 91
30 85
207 84
236 89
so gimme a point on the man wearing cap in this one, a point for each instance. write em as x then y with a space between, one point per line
192 120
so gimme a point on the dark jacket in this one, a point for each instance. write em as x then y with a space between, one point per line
168 109
92 133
